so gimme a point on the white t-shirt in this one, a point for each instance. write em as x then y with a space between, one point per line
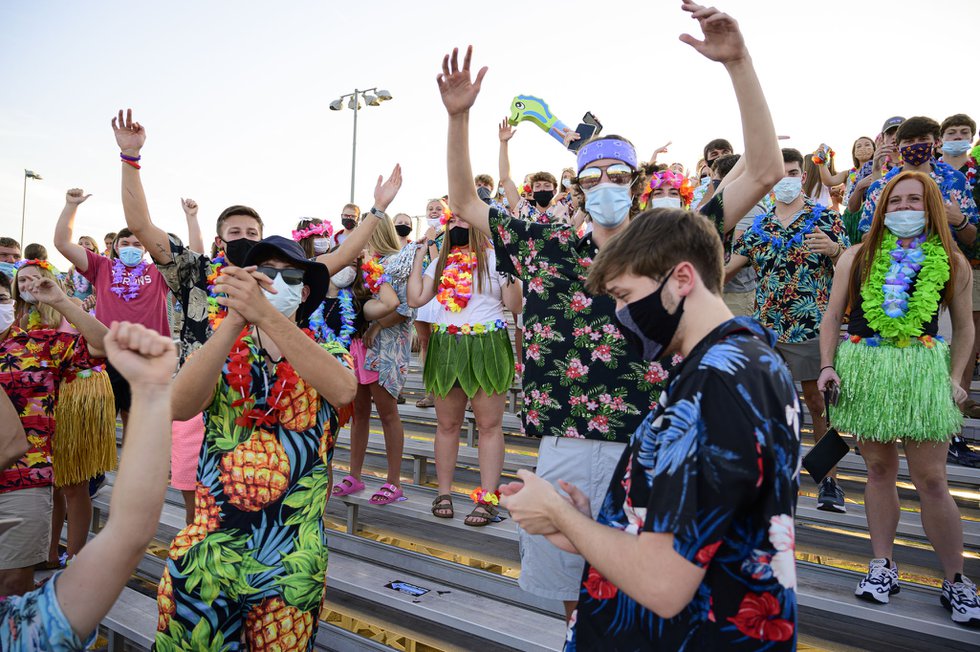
483 306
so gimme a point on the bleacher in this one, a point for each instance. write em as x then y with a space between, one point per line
472 600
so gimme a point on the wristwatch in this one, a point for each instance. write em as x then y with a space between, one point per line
378 214
430 243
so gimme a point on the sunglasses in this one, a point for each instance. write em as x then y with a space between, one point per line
289 276
617 173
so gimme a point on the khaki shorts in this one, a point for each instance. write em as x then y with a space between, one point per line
26 543
802 358
742 304
976 290
547 571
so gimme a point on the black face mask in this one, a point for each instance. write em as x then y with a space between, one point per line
237 250
646 324
349 223
459 237
543 197
484 194
403 230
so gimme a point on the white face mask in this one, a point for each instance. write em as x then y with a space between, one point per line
788 189
321 245
665 202
435 222
287 298
28 297
344 277
905 224
6 316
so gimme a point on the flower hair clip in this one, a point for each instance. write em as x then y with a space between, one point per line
313 229
446 213
36 262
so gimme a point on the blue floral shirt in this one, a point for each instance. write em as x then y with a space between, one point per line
716 465
35 621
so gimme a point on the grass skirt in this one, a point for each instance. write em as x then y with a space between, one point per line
474 361
889 393
84 441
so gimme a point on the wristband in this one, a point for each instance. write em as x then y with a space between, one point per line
378 214
132 163
128 158
962 225
830 366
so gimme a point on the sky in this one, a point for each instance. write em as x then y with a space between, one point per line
234 95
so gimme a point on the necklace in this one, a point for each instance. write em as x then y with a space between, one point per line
456 284
238 375
126 291
374 275
348 316
216 312
780 243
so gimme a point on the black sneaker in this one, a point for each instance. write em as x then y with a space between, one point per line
960 453
831 497
960 598
880 583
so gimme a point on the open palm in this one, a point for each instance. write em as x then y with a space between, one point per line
130 136
458 92
723 40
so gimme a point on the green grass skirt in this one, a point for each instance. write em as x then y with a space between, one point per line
473 362
889 393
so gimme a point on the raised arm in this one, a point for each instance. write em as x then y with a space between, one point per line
88 588
75 253
195 239
47 291
13 440
505 133
353 244
130 136
723 43
830 180
458 94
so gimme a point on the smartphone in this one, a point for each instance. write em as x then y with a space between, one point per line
585 131
589 119
832 394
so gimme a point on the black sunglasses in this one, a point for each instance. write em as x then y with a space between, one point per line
289 276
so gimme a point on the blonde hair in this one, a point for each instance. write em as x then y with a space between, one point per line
50 318
384 241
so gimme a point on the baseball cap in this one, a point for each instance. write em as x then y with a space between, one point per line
892 123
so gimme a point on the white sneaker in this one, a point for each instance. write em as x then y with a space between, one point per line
880 583
960 598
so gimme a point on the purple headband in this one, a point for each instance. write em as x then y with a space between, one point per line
606 148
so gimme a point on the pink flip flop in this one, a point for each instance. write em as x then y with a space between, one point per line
388 493
352 485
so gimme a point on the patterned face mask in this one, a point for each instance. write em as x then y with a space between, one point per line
917 154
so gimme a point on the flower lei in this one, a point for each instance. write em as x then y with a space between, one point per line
886 308
679 181
239 378
313 229
480 496
971 171
470 329
36 262
456 284
126 291
374 275
216 312
34 319
782 244
347 317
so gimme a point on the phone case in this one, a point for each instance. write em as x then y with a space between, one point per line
830 450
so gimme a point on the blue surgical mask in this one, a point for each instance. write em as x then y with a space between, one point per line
130 256
287 297
8 269
905 224
788 189
608 204
956 147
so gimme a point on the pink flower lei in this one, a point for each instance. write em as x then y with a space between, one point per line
313 229
126 291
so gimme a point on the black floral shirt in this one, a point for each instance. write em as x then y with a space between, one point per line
580 379
716 465
187 278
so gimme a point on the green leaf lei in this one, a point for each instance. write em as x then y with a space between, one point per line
923 302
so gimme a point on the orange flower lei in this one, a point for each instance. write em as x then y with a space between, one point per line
374 275
456 285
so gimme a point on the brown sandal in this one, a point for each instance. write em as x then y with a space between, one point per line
479 519
442 506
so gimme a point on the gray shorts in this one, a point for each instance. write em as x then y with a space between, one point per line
802 358
26 543
547 571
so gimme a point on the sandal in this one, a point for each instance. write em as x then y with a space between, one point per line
442 506
426 401
478 519
387 494
352 485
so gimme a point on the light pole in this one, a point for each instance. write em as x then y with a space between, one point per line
28 174
355 105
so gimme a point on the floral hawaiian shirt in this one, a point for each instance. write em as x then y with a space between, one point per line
954 188
716 465
527 210
34 622
794 283
187 278
32 367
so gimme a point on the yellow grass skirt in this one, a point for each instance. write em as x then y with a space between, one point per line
84 442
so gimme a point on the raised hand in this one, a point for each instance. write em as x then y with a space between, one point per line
723 40
506 131
458 92
385 191
142 356
243 294
76 196
569 136
189 206
45 290
130 136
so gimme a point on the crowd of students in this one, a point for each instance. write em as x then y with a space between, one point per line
662 320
